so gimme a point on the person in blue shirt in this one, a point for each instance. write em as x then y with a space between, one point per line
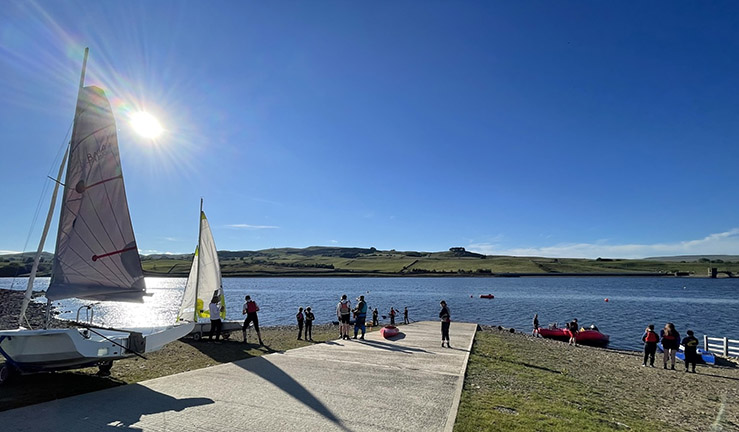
360 316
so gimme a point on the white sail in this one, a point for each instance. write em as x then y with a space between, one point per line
96 255
204 280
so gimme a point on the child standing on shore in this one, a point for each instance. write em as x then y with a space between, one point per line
690 343
650 339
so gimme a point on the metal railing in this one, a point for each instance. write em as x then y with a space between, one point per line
721 346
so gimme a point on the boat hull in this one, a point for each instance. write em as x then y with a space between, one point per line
585 337
389 331
704 357
73 348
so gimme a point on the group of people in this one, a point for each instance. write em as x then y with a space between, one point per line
308 318
344 313
305 318
670 339
217 311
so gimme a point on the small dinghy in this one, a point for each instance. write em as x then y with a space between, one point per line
583 337
389 331
487 296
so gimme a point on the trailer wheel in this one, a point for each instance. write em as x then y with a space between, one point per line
197 336
7 373
104 367
226 335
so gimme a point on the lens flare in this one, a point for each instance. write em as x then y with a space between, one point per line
146 125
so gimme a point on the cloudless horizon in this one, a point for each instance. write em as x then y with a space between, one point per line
532 128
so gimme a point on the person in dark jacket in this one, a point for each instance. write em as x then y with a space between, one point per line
360 317
670 339
650 339
374 318
446 320
690 343
299 316
309 317
536 325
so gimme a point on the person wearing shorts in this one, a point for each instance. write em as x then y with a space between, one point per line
250 310
343 312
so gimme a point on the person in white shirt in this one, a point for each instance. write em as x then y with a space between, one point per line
215 317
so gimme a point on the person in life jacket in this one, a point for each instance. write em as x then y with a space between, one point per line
299 317
343 312
309 317
374 317
250 309
690 343
392 315
360 316
670 344
650 339
572 331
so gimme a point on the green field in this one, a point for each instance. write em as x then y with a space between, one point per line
332 261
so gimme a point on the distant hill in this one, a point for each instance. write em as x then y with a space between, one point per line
353 262
696 258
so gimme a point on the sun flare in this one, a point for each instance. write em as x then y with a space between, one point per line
146 124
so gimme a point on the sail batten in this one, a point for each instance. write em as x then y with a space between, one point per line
96 257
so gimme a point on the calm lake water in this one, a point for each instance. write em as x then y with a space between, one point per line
707 306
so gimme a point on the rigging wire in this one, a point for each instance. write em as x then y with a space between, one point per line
41 200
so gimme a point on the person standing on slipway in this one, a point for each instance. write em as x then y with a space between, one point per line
250 309
343 312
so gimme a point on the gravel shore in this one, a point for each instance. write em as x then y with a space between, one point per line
10 307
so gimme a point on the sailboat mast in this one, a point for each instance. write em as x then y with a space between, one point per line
74 129
200 240
37 258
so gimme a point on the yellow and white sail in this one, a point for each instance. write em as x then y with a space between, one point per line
204 280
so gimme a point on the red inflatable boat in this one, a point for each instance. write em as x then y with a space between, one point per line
389 331
584 337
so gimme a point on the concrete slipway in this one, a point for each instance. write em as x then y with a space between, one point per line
406 384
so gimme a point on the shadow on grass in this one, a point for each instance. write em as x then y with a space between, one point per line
228 351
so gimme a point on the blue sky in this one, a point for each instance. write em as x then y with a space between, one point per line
571 129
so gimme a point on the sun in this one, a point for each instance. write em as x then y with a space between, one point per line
146 124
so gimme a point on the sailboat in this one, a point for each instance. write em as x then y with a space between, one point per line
96 256
204 281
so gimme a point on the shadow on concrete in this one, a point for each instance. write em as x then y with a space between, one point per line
108 410
392 347
141 401
271 373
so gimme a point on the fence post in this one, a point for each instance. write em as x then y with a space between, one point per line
705 343
726 347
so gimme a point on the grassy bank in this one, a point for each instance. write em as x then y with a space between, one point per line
176 357
518 383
